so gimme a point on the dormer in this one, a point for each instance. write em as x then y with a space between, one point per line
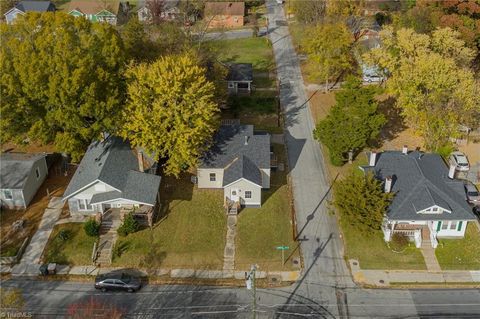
435 209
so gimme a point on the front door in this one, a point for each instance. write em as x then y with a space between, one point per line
234 194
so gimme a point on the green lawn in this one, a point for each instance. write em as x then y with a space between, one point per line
75 250
191 235
260 230
460 254
257 51
373 253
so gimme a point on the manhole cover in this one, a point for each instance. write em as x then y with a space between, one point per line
381 281
355 263
274 279
295 261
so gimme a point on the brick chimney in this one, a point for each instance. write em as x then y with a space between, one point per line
373 158
405 150
388 184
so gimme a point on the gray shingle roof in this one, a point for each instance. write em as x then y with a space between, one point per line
36 6
113 162
15 169
242 167
240 72
421 181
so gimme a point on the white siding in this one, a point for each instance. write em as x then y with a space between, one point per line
203 175
242 186
33 183
92 190
17 199
448 232
265 177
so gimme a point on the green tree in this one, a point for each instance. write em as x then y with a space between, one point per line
431 78
138 45
61 80
329 46
171 111
360 200
351 122
309 11
6 5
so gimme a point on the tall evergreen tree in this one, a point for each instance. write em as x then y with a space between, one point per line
352 121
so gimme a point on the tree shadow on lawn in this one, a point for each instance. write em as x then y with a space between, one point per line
395 122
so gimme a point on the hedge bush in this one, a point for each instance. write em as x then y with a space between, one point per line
92 228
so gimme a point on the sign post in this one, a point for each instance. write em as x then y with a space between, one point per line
283 248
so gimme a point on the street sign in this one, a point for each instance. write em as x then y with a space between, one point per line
282 247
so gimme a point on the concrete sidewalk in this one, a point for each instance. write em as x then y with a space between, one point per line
30 262
383 278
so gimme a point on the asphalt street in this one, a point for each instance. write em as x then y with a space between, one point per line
325 289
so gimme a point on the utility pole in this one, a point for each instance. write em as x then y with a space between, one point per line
251 285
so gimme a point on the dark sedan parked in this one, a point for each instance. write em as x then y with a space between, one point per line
118 282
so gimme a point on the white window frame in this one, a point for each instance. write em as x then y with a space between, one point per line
247 193
213 177
445 225
86 205
453 225
37 172
8 197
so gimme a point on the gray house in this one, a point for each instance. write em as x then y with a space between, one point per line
238 162
21 175
428 204
28 6
112 175
240 78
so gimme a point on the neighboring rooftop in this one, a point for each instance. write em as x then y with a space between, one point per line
15 169
225 8
113 162
420 181
242 72
35 6
94 7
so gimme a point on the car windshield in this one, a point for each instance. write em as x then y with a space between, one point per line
463 164
473 193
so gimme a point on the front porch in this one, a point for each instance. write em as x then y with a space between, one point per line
421 234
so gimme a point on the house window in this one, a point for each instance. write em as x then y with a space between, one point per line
37 173
248 194
83 204
7 194
213 177
453 225
444 225
434 209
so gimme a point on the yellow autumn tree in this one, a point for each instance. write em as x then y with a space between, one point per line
171 112
431 78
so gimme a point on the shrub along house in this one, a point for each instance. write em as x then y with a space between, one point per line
21 177
23 7
238 162
113 176
429 203
240 78
97 11
224 14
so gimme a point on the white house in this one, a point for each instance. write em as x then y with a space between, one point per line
28 6
170 11
112 175
429 203
238 162
21 175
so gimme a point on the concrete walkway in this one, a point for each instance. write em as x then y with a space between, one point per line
31 257
229 252
429 255
384 278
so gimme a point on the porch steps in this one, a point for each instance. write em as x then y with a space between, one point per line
108 237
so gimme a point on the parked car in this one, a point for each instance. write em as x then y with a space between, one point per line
120 281
460 161
473 197
370 78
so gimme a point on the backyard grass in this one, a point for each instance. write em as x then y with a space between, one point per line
373 253
10 240
260 230
190 235
460 254
76 249
258 109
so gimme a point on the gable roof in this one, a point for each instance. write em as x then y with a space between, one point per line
113 162
35 6
167 5
15 169
94 7
242 167
421 181
240 72
225 8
